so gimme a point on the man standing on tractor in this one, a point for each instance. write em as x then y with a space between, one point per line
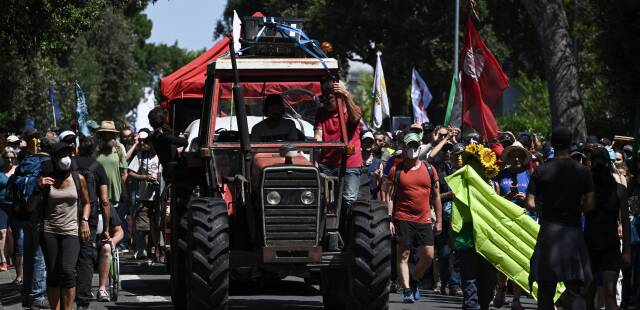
413 185
327 129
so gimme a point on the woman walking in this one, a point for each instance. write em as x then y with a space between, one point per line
8 167
60 196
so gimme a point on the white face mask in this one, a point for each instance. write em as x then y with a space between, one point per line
64 163
412 153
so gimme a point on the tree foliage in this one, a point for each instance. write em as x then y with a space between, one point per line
419 33
99 44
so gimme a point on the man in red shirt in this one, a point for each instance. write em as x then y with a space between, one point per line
327 129
410 208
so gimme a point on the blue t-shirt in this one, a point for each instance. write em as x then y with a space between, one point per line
506 180
3 189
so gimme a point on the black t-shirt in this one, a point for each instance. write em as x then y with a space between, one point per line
558 187
166 146
98 171
601 231
114 219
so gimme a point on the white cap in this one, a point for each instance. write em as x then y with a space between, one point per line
65 134
143 135
367 135
12 139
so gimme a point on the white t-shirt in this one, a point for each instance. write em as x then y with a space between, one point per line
147 166
286 131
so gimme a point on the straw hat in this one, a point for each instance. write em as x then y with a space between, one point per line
518 150
107 126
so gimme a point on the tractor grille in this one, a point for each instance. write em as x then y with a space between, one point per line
291 223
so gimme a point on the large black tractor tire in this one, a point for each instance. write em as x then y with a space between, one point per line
208 255
334 285
177 256
371 249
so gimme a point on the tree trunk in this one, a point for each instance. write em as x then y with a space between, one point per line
560 63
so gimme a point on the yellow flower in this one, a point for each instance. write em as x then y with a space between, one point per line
471 148
492 171
487 157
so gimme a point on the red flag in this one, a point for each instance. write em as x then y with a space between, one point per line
483 82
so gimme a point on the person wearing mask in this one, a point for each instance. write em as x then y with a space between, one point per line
145 168
8 168
23 183
60 194
601 229
512 185
274 127
112 158
371 154
97 187
413 187
327 129
560 191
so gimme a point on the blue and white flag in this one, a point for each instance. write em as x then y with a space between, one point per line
420 97
82 110
52 99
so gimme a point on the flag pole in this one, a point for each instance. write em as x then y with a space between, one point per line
456 38
53 110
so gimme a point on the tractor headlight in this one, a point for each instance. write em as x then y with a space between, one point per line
273 198
307 197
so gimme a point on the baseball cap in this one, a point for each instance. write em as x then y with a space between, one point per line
412 137
67 136
12 139
367 135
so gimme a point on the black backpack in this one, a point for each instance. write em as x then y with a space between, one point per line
92 188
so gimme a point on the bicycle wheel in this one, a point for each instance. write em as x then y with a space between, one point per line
114 276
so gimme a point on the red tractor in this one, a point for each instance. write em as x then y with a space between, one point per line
253 210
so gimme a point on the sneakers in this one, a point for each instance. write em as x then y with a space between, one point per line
4 267
455 291
413 285
103 296
40 304
407 296
516 305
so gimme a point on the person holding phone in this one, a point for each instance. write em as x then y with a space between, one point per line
513 182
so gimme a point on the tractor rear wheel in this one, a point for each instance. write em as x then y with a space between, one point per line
208 255
371 249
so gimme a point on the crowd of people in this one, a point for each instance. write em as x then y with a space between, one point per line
584 195
66 200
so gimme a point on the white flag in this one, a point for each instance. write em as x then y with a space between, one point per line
236 31
420 98
380 100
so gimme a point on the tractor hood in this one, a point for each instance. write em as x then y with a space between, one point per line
266 160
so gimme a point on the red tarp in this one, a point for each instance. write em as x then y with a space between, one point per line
188 81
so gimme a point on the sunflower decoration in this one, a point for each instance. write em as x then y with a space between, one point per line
484 155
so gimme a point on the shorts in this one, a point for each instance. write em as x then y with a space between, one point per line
146 215
413 234
5 213
605 260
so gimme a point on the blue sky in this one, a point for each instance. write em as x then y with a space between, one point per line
190 22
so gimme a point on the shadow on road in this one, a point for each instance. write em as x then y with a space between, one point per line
9 295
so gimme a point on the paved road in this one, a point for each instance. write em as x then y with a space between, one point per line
145 287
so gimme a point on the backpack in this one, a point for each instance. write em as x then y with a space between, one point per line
90 177
23 183
396 179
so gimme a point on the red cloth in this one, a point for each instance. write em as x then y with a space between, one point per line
483 82
413 192
330 126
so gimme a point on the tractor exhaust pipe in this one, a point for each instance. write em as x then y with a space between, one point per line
240 108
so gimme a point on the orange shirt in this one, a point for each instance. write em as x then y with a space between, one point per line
413 192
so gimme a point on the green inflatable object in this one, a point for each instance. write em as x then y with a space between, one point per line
503 232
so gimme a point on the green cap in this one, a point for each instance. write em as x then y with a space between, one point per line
412 137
